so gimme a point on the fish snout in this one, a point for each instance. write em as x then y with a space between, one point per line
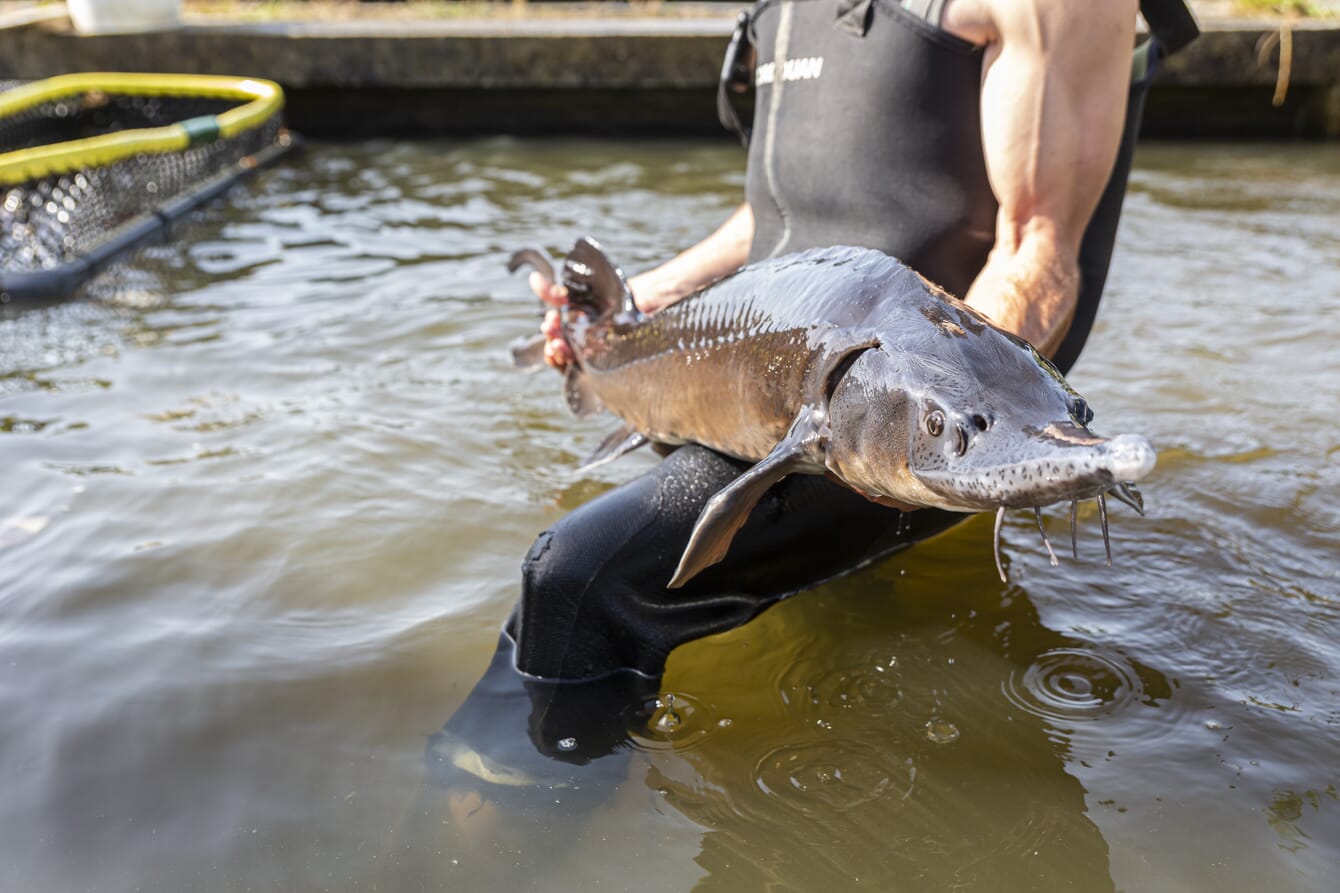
1130 457
1025 468
1072 462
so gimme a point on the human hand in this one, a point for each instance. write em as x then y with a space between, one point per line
557 353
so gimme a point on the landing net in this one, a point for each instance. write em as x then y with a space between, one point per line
92 164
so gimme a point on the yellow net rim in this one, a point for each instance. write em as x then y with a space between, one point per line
260 101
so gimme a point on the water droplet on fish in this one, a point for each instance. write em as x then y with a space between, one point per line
725 723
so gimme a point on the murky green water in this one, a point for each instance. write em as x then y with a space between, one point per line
263 501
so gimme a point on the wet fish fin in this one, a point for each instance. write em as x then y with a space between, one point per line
800 452
619 441
577 391
537 257
528 351
595 285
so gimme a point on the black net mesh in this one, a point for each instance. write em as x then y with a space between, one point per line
54 220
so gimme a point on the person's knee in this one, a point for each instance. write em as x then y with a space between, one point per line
561 597
537 563
541 591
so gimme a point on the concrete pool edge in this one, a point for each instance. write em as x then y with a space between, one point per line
623 74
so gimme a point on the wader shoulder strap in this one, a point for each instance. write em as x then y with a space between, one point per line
734 103
1171 22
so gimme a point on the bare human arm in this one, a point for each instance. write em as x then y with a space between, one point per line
1054 88
721 253
718 255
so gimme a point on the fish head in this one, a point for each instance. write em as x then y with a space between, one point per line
973 423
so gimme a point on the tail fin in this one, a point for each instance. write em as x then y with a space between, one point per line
595 286
537 257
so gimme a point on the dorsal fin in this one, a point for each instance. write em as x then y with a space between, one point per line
595 285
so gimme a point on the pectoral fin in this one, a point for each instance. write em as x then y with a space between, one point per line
619 441
800 452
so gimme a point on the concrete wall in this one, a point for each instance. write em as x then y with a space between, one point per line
618 75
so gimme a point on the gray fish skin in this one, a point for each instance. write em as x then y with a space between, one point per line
727 367
844 361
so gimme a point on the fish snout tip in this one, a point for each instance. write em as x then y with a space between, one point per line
1130 457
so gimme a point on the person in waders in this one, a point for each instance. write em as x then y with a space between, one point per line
985 143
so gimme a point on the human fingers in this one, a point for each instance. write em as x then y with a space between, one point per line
557 353
552 327
551 293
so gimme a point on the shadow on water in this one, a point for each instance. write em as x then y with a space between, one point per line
905 728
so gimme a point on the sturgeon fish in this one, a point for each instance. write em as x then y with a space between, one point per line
839 361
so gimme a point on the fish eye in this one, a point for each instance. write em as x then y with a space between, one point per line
935 423
1081 411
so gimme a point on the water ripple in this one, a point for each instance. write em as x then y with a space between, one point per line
817 775
1067 685
680 722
